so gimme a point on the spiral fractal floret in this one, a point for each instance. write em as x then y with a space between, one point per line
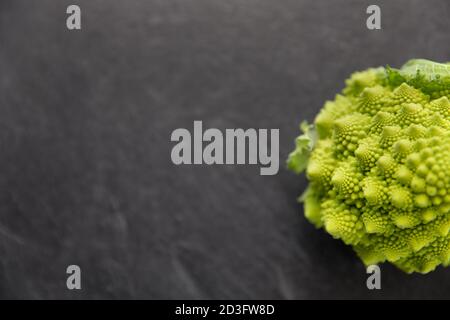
378 163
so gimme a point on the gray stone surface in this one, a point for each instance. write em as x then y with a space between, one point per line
85 123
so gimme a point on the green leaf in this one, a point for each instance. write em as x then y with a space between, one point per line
431 77
304 144
428 69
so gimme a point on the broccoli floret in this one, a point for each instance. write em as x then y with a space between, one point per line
378 163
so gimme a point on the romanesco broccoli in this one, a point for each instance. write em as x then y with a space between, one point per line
378 162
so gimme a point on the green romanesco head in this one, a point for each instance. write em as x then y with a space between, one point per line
378 162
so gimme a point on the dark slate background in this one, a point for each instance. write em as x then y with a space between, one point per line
85 124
